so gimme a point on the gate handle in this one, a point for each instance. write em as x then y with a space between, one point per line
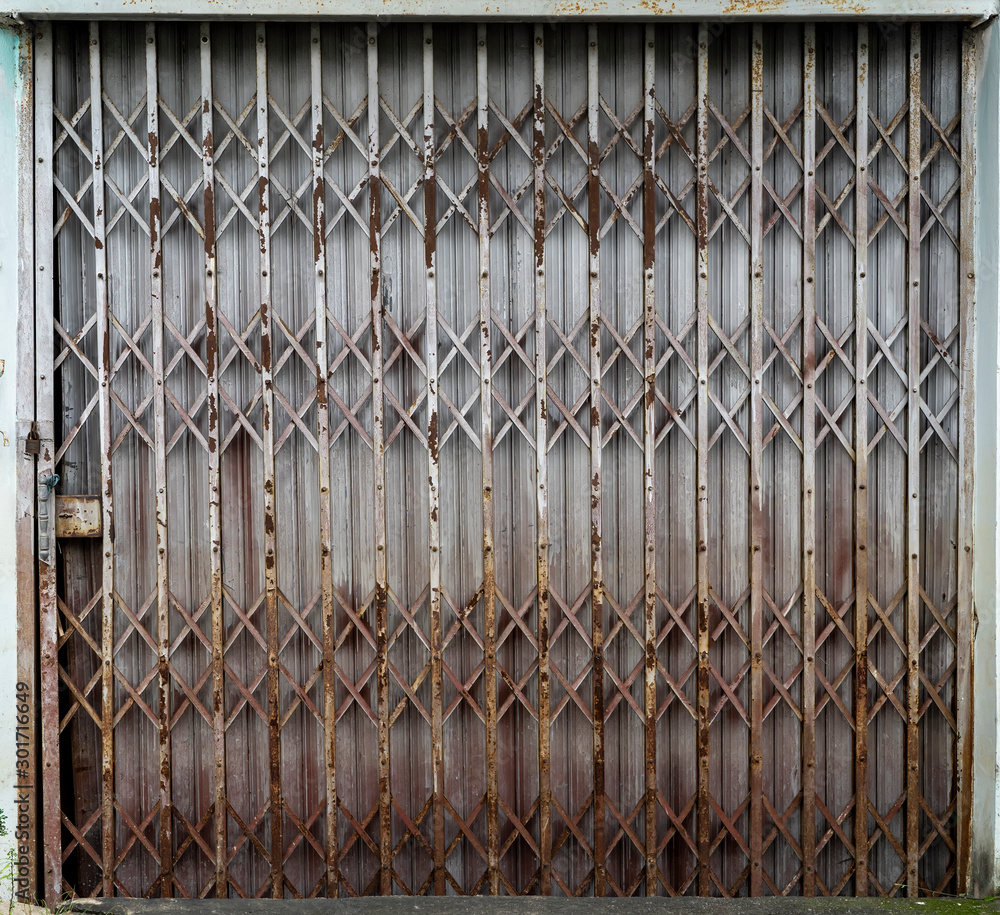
45 528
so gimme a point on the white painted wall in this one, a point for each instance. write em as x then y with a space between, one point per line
985 873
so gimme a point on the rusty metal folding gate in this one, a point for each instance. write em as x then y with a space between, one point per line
562 463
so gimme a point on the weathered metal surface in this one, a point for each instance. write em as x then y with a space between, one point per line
861 499
213 447
757 466
107 601
78 516
596 450
323 457
966 448
378 449
649 596
912 510
51 858
163 677
640 10
486 451
27 765
539 149
702 477
366 298
809 413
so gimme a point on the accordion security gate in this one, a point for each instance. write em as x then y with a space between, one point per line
561 463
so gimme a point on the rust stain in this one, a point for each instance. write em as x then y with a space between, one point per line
318 197
432 437
154 232
209 198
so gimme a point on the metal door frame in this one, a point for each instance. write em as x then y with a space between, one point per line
980 351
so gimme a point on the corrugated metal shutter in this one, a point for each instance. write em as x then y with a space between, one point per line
562 469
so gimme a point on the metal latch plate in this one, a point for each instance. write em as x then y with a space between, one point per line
78 516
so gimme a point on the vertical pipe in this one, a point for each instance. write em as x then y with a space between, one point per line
966 450
596 558
541 471
220 802
913 471
861 468
756 463
267 419
649 445
45 411
160 464
809 463
378 454
323 443
704 874
486 421
433 464
108 532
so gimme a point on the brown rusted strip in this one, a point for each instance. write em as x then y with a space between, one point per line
433 464
809 462
166 880
966 451
596 488
270 502
108 566
756 463
541 472
649 448
486 439
323 443
378 448
861 469
703 635
912 844
220 802
49 775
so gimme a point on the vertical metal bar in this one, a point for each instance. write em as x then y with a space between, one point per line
433 463
861 468
704 875
160 467
649 445
486 437
108 521
378 449
27 771
966 450
596 488
541 470
45 411
756 463
220 802
809 462
323 443
270 502
913 471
